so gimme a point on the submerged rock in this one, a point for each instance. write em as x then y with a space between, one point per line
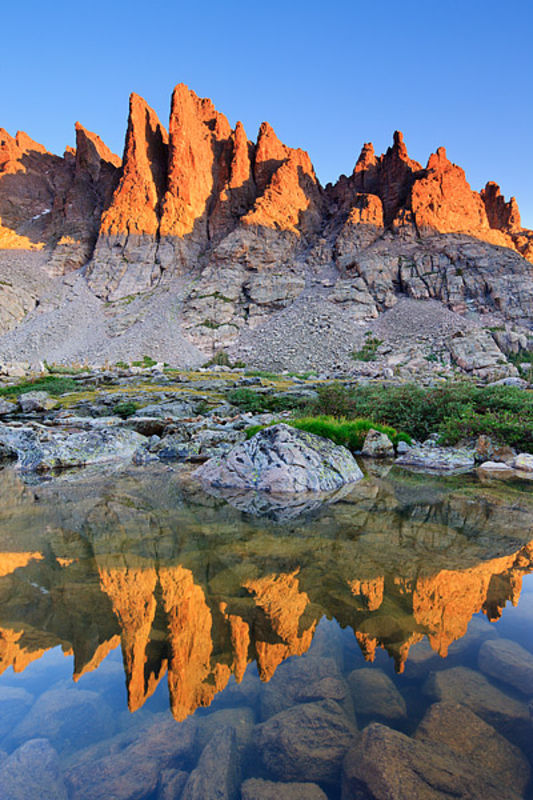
458 728
217 773
282 459
508 662
32 771
258 789
472 689
388 765
375 694
306 742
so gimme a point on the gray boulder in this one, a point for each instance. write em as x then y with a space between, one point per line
433 458
35 401
282 459
6 407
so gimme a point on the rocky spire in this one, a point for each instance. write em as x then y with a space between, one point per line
135 205
502 215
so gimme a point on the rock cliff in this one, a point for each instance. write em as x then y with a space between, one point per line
251 228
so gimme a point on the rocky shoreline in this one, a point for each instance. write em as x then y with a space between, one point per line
140 415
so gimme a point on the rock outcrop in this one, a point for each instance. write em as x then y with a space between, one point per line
251 228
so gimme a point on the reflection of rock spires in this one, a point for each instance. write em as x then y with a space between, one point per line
131 590
194 676
283 605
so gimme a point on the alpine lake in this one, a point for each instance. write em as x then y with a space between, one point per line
159 642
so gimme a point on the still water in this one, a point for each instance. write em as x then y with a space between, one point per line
159 643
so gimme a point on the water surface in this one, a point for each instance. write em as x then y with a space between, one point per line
157 642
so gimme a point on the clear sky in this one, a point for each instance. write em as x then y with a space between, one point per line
328 77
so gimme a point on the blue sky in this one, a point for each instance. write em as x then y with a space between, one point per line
453 73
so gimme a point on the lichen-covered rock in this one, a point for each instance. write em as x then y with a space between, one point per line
439 459
282 459
35 401
524 462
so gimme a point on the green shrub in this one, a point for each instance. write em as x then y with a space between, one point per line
53 384
258 402
221 359
349 433
125 409
458 411
147 362
369 350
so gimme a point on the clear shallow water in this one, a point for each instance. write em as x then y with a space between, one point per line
210 646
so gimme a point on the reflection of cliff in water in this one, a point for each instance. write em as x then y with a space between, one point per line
191 587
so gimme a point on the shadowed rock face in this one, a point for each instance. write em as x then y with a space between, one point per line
181 579
206 201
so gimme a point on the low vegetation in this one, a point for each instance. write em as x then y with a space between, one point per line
221 359
369 350
458 411
125 409
350 433
55 385
259 402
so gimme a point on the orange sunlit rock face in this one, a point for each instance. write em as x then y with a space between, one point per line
136 203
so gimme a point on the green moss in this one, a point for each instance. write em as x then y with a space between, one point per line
125 409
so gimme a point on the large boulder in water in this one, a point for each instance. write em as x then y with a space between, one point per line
282 459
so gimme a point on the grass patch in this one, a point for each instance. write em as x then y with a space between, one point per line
458 411
349 433
53 384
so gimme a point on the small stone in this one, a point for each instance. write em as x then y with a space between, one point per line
524 462
496 469
377 445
